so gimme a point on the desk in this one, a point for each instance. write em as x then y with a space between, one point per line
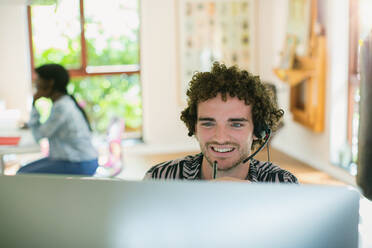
26 145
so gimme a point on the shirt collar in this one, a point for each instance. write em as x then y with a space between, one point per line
194 165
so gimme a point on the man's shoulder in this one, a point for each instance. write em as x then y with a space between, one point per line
175 169
269 172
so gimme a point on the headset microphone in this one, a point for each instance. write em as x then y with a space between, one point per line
267 137
214 175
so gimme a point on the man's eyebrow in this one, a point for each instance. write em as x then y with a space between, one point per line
238 119
206 119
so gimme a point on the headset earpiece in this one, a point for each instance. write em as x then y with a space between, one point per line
263 133
261 130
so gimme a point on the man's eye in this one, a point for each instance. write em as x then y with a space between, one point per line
237 124
207 124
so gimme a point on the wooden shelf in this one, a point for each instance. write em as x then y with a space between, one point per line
307 86
292 76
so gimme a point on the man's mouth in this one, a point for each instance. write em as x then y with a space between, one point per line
222 149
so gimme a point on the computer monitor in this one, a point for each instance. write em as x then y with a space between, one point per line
43 211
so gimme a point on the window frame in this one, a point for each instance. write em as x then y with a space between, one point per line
82 71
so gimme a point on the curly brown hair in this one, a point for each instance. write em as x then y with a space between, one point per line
237 83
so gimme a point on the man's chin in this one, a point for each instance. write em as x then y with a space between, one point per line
228 167
225 165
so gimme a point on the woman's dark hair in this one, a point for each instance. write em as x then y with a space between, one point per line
61 78
235 83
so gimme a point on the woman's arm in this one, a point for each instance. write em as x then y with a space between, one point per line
56 119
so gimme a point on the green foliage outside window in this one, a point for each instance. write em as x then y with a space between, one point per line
43 106
105 97
70 57
126 56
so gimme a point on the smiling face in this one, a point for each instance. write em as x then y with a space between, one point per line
224 130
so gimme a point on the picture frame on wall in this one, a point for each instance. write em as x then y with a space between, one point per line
214 30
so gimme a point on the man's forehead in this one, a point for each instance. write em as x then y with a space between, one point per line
217 109
229 101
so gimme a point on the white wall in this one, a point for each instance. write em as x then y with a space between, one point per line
314 149
162 125
15 84
338 25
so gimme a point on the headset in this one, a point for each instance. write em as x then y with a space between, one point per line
261 131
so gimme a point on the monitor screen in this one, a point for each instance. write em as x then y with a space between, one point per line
45 211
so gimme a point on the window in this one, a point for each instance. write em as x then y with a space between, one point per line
98 42
360 27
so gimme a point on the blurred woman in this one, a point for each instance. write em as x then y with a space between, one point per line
67 128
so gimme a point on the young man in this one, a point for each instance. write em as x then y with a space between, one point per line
230 112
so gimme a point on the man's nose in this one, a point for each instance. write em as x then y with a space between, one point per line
220 134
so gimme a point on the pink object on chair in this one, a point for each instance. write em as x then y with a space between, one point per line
113 164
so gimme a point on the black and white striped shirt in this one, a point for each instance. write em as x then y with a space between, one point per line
189 168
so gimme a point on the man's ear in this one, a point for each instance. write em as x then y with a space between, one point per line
254 137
